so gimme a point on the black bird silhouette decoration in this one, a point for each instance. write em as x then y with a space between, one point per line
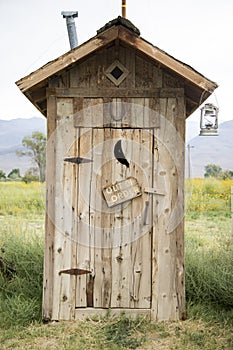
118 153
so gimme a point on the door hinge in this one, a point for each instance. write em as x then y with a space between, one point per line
78 160
75 272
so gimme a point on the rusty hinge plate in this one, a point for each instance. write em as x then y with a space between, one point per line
77 160
75 272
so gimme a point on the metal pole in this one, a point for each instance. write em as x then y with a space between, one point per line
123 8
232 211
70 23
189 160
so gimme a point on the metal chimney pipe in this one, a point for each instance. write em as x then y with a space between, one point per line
123 6
70 23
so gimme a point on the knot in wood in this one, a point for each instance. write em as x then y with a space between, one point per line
119 258
64 298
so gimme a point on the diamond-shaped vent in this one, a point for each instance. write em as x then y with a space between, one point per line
117 72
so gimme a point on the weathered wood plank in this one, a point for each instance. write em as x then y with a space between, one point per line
141 237
146 112
66 218
59 221
147 74
124 260
62 295
155 231
84 74
117 173
165 300
48 283
84 216
96 223
74 220
115 92
137 213
146 244
64 109
91 312
137 110
131 66
106 232
117 113
180 271
168 293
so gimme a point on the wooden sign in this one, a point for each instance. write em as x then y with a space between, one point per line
122 191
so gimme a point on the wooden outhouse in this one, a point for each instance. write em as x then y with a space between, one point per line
116 109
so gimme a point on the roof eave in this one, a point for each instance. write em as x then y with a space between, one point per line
68 59
168 61
34 81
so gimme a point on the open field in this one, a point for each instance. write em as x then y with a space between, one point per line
21 199
209 281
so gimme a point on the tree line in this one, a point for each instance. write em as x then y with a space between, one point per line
213 170
34 146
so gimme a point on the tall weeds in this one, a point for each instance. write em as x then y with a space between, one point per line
20 199
208 195
21 269
209 278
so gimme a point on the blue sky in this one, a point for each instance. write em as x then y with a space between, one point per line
195 32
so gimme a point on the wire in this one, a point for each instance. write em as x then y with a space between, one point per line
201 98
216 99
43 53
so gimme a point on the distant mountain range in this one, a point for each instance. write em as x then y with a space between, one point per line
212 150
204 149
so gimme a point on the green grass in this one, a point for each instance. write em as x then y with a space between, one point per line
209 286
20 199
21 262
209 260
193 334
208 196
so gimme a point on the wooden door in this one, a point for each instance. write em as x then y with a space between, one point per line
114 217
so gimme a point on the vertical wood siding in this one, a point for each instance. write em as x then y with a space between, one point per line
132 253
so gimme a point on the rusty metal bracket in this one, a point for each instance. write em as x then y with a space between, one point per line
75 272
152 190
78 160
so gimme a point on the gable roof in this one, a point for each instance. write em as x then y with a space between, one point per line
197 87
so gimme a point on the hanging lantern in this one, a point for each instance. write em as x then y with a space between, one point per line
209 120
